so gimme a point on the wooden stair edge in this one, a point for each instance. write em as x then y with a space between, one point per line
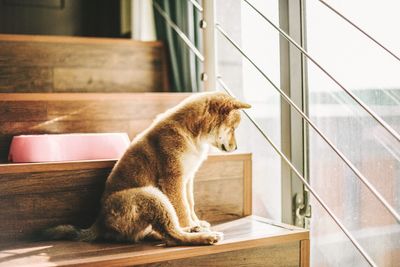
72 39
55 96
94 164
160 254
145 258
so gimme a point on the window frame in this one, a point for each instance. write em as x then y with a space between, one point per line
293 82
294 131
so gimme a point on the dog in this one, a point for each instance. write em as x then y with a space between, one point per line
149 192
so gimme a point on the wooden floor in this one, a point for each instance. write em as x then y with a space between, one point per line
240 235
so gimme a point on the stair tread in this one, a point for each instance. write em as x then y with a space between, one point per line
92 164
244 233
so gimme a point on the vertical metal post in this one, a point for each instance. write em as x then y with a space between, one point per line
286 182
209 76
298 126
295 209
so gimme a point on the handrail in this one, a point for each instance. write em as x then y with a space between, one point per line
180 33
353 96
360 30
306 184
363 179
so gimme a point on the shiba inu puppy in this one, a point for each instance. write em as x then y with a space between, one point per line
149 192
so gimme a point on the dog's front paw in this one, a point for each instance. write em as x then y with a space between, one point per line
192 229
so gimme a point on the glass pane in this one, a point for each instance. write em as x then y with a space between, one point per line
261 43
373 75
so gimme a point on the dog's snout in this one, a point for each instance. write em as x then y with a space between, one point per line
236 147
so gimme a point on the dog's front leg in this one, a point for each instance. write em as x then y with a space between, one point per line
176 193
190 198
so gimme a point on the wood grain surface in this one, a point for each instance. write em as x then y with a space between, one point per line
248 242
285 254
78 64
305 253
79 113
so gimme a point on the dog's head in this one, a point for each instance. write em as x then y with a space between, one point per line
224 118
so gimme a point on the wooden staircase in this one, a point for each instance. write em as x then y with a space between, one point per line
34 196
249 241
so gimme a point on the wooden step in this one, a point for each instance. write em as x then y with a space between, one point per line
81 64
79 113
38 195
249 241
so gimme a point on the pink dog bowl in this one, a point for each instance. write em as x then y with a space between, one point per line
67 147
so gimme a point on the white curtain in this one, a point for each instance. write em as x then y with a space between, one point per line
142 20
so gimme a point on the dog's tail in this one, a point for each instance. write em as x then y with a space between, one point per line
70 232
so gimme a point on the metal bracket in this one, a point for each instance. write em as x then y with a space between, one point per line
302 212
203 77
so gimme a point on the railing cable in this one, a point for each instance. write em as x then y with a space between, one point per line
363 179
360 30
353 96
306 184
180 33
196 5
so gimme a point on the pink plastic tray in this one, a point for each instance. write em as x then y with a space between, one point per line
67 147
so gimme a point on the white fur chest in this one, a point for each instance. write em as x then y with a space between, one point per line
191 160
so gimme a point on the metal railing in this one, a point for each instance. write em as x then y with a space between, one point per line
196 5
210 27
349 93
357 172
306 184
360 30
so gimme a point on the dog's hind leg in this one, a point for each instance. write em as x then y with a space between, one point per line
128 211
165 221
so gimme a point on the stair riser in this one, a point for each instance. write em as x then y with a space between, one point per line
286 254
35 200
79 113
74 64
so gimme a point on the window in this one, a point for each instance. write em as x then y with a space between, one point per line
359 65
373 75
262 44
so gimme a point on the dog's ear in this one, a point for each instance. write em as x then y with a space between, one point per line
224 106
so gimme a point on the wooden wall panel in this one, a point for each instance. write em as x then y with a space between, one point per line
79 113
77 64
35 196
